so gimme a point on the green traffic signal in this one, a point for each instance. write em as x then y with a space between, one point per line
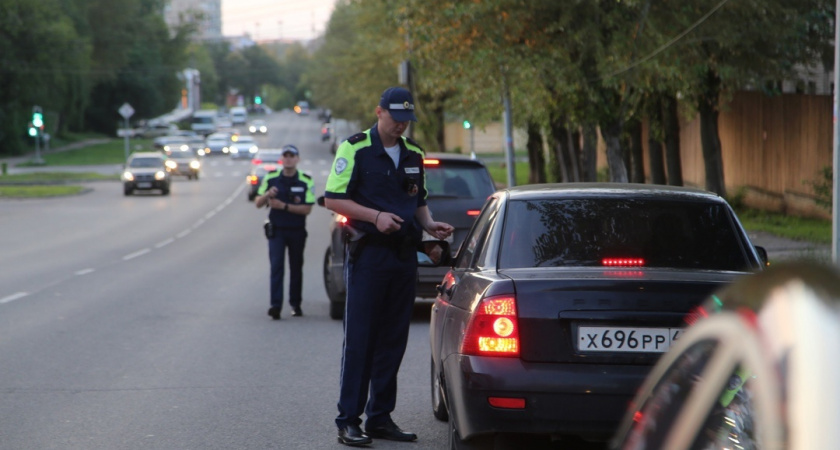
467 125
33 131
258 100
37 120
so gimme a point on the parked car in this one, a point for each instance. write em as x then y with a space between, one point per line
146 171
563 296
258 126
184 162
217 144
457 188
256 175
243 147
756 370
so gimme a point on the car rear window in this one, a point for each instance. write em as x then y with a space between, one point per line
584 232
458 180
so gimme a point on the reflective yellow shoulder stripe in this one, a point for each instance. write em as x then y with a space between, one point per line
342 168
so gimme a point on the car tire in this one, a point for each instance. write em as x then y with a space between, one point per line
251 196
337 299
438 404
476 443
165 191
128 191
195 177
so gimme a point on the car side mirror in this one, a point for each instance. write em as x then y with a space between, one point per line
762 255
433 254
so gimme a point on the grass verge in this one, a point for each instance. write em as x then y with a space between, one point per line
39 191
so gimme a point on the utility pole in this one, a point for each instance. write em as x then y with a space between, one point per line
835 203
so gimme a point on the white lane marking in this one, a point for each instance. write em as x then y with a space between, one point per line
210 214
136 254
182 234
164 243
84 271
13 297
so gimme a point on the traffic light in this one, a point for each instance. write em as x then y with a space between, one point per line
258 100
467 125
32 130
37 118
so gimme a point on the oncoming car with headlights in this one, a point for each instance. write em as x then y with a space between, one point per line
146 171
243 147
184 162
563 296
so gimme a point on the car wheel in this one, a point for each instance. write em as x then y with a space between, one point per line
251 196
196 176
165 191
337 299
476 443
438 405
128 191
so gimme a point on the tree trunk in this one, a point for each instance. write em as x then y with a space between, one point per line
671 128
637 165
709 138
558 139
615 158
655 161
536 159
573 146
589 158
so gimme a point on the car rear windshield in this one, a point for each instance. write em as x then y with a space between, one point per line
458 180
585 232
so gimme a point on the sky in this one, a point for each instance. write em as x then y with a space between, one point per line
276 19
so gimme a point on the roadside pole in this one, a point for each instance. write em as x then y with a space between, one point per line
835 203
126 111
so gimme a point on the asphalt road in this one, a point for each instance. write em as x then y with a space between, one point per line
140 322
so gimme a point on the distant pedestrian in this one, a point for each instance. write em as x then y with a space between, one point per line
377 181
290 194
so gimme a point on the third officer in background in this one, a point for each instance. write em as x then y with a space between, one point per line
290 194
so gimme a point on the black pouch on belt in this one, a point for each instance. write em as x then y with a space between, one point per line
407 248
269 229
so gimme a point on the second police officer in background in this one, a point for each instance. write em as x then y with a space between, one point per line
290 194
377 181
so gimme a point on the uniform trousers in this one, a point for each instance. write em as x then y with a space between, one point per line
293 239
380 301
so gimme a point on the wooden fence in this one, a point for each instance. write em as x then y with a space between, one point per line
773 148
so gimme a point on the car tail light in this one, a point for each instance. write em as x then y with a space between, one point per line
493 329
622 262
507 402
256 161
252 179
342 220
431 162
270 168
473 212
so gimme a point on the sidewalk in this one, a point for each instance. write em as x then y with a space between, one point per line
782 249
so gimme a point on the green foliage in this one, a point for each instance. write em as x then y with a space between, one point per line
39 191
793 227
823 187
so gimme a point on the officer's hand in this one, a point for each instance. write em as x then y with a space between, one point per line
440 230
388 223
272 191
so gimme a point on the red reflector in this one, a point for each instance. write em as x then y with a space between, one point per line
473 212
256 162
507 402
637 416
341 219
612 262
431 162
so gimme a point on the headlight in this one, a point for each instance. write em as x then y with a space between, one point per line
263 129
253 149
167 148
171 164
225 149
184 147
160 175
128 176
201 152
195 164
252 128
234 150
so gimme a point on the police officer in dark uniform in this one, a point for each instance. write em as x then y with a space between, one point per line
377 181
290 194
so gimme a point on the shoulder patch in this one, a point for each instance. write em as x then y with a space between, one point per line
356 138
305 175
412 142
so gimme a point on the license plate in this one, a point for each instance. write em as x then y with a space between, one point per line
626 339
144 185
